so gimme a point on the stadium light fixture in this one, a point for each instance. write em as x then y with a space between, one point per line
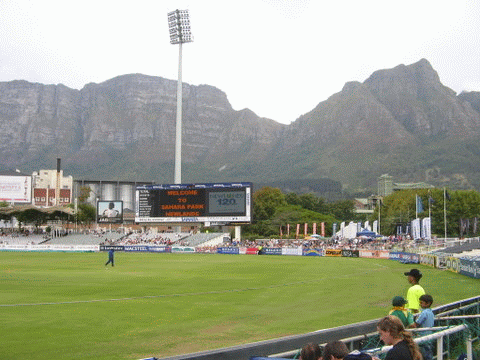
180 33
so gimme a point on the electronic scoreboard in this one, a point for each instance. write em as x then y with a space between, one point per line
222 203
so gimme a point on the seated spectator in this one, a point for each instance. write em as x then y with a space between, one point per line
400 311
426 319
393 333
335 350
311 352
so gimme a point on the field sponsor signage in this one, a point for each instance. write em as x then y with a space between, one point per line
228 250
160 249
374 254
78 248
297 251
271 251
470 267
112 247
452 264
136 248
430 260
249 251
350 253
183 249
405 257
333 252
312 252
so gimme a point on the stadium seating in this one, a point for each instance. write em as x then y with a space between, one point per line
81 239
22 240
202 238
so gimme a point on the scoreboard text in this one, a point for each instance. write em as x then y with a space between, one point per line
225 202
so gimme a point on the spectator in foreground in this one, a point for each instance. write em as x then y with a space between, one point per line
335 350
415 291
399 310
426 319
393 333
311 352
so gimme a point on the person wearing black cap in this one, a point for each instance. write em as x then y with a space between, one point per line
415 291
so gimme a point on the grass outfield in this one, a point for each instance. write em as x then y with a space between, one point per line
69 306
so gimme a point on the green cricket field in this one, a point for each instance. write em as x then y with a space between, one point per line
60 305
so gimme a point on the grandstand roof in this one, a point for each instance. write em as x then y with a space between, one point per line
50 210
407 186
11 173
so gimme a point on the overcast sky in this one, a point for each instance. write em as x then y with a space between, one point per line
279 58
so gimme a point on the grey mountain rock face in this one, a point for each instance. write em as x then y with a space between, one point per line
124 129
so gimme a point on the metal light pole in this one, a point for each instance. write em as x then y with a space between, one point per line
179 27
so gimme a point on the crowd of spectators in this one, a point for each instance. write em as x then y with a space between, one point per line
181 239
359 243
149 238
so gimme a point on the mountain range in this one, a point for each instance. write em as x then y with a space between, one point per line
401 121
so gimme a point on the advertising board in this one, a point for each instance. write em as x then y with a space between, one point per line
16 189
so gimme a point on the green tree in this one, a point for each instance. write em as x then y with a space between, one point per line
31 216
463 204
86 213
272 210
307 201
84 194
343 210
292 199
4 216
266 201
399 208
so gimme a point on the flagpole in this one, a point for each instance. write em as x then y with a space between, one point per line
445 210
416 206
429 217
379 209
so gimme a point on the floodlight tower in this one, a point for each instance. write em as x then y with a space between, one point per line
179 26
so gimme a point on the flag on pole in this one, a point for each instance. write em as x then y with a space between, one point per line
419 204
447 195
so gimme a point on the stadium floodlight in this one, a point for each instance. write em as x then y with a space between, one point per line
179 27
180 33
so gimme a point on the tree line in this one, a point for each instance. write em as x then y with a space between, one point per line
461 209
273 209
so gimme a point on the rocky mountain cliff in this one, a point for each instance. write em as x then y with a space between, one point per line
401 121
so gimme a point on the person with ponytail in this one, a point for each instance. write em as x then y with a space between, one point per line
393 333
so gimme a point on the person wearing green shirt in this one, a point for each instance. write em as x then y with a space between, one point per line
415 291
399 311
